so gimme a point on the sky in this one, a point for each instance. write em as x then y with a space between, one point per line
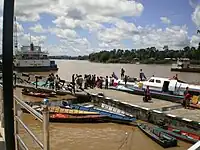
80 27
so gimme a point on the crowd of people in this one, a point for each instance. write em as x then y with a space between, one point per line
53 81
89 81
93 81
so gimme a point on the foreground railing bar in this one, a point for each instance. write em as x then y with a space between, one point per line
29 109
29 131
21 142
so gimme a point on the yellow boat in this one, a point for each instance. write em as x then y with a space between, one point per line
53 109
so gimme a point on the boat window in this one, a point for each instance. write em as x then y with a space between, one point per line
151 80
158 81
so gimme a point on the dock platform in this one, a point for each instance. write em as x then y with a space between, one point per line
156 104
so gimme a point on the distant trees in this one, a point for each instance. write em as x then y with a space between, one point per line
85 57
148 55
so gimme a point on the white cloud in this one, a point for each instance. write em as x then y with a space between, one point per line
195 41
37 28
104 21
175 37
193 3
165 20
64 33
196 16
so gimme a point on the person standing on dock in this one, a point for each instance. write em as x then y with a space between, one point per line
106 82
187 97
147 95
125 79
142 76
52 81
122 73
73 82
57 81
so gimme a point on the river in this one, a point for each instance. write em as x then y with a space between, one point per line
102 136
66 68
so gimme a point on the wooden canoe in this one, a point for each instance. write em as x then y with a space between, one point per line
53 109
75 118
158 136
180 136
194 137
39 94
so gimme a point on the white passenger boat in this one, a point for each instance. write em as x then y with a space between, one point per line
164 85
172 86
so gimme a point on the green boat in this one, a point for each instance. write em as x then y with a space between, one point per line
158 136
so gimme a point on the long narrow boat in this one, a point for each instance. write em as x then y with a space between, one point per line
158 136
38 94
191 137
113 117
57 117
179 135
54 109
70 111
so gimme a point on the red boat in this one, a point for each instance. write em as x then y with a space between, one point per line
58 117
181 132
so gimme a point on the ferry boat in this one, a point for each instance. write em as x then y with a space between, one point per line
163 85
183 65
161 88
172 86
32 59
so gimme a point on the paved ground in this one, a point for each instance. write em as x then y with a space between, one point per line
193 114
133 99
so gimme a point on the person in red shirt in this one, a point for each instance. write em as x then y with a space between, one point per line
187 97
147 95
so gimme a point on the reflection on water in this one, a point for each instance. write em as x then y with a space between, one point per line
102 136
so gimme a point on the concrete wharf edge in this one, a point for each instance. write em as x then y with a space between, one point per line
143 111
113 101
144 108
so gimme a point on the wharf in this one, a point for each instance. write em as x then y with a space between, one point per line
156 104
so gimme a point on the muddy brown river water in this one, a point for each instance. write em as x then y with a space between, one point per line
102 136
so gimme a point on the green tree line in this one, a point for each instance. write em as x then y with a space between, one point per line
148 56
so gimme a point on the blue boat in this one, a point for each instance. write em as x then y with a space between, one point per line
113 117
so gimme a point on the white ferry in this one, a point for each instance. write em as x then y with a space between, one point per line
172 86
32 59
162 85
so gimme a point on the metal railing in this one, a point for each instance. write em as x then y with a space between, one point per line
44 118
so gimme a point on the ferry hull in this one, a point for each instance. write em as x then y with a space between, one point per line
196 70
154 94
35 69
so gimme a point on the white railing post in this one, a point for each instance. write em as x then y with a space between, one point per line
15 124
46 124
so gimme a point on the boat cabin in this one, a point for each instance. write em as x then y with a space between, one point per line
157 84
183 63
171 86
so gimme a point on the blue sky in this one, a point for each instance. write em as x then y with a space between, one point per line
84 26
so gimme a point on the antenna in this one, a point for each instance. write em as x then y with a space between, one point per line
15 34
30 38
